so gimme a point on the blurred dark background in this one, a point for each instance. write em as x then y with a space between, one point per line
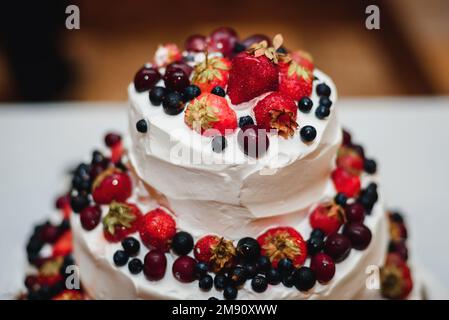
41 60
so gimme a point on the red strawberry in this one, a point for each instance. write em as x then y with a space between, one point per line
349 160
295 80
216 251
346 182
277 111
63 246
304 59
157 228
209 111
251 76
396 280
327 217
210 73
69 295
121 220
283 242
112 184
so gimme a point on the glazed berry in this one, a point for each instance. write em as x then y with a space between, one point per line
305 104
206 283
358 234
245 121
322 112
370 166
142 126
131 246
219 91
201 269
288 280
248 249
304 279
315 245
340 199
323 90
355 212
173 103
182 243
220 281
259 284
317 233
184 269
219 143
90 217
111 139
323 266
238 276
196 43
154 265
250 270
120 258
263 263
176 79
308 133
157 95
230 293
79 202
285 266
325 101
253 141
273 276
146 78
135 266
337 246
191 92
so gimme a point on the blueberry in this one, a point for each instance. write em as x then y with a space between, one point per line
273 276
131 246
34 245
97 157
263 264
370 166
396 217
322 112
79 202
81 181
82 169
230 293
304 279
218 91
238 276
305 104
220 281
142 126
191 92
238 47
201 269
315 245
372 188
250 270
282 50
173 103
157 95
359 149
206 283
323 90
317 233
135 266
212 298
120 258
245 121
285 266
259 284
341 199
308 133
288 280
325 101
248 249
182 243
219 143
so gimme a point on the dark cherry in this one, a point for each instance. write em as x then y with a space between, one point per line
223 39
184 269
346 138
90 217
358 234
337 246
111 139
146 78
180 66
253 141
355 212
323 266
155 264
256 38
176 80
49 233
196 43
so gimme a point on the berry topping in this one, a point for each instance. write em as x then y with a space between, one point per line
327 217
135 266
255 39
323 266
346 138
223 39
196 43
79 202
305 104
396 281
146 78
259 284
340 199
184 269
248 249
120 258
285 266
304 279
206 283
210 73
355 212
326 102
238 276
179 65
295 80
263 263
220 281
142 126
131 246
176 79
253 141
315 245
173 103
322 112
283 242
245 121
90 217
230 293
323 90
219 143
209 111
308 133
120 221
250 270
358 234
157 95
317 233
288 280
154 265
337 246
273 276
370 166
349 160
219 91
215 251
346 182
49 233
111 139
182 243
157 228
112 184
201 269
191 92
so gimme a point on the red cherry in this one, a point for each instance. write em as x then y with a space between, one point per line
49 233
181 66
155 264
345 182
358 234
323 266
90 217
337 246
256 38
63 201
146 78
112 139
253 140
223 40
355 212
196 43
184 269
176 80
